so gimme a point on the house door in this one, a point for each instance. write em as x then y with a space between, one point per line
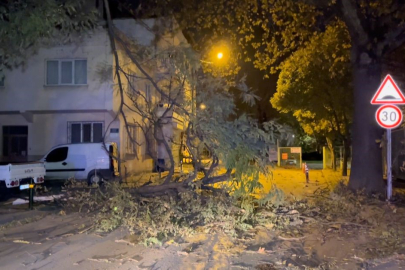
15 141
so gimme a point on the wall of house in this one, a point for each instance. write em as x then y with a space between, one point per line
50 108
142 34
141 162
133 164
49 130
25 87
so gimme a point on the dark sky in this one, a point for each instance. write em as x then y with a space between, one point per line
265 89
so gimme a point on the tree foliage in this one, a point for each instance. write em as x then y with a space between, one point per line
25 24
264 32
268 32
236 144
315 85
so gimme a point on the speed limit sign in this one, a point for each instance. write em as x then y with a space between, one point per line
389 116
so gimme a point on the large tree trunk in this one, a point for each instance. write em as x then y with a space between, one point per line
346 151
331 147
366 172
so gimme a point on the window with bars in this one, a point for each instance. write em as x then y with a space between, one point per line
85 132
131 142
66 72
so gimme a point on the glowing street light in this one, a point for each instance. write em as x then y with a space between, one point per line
202 106
220 55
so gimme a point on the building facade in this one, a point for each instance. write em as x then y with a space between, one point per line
69 94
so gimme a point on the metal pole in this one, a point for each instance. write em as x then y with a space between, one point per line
389 167
31 198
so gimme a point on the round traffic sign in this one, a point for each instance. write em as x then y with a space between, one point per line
389 116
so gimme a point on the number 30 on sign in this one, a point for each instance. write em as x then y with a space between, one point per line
389 116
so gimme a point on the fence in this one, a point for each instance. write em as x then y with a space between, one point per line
327 157
289 157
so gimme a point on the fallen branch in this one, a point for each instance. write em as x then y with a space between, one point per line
174 188
335 223
292 238
99 260
346 223
87 229
125 242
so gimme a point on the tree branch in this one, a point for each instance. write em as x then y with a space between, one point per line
353 22
117 69
393 39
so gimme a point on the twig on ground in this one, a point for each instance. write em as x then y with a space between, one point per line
292 238
87 229
346 223
99 260
125 242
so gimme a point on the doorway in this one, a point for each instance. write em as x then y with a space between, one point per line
15 141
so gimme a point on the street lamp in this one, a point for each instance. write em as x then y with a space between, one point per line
220 56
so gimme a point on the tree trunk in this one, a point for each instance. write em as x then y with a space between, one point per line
346 151
331 147
366 172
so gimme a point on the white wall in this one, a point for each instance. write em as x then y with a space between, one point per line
49 130
53 107
25 88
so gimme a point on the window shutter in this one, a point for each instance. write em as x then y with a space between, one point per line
75 131
86 133
69 135
97 132
80 72
66 72
52 72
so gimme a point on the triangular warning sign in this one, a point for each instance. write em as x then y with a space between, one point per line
388 93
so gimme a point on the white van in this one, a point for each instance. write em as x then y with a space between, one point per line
83 161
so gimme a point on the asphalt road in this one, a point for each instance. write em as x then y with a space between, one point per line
314 165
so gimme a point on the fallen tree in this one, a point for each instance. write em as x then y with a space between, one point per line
237 146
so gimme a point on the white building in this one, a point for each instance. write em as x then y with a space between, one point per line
68 94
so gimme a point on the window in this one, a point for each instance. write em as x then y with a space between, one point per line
131 145
150 144
57 155
166 60
15 141
148 93
66 72
85 132
131 83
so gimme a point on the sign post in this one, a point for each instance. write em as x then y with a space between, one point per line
388 116
389 165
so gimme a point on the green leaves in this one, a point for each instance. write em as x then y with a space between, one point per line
315 83
26 24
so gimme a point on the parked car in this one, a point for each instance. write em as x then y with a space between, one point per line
291 161
83 161
13 174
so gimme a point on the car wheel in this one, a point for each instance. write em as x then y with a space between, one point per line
94 179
